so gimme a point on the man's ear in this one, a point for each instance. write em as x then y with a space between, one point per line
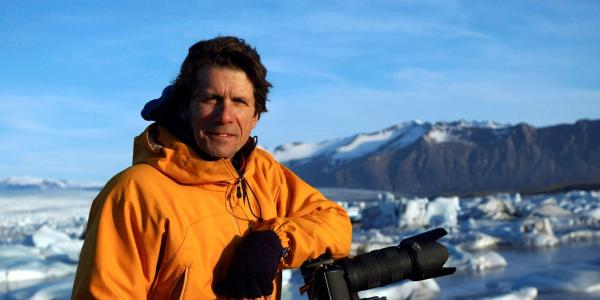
255 120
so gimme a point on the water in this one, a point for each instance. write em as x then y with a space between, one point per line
523 270
540 268
557 273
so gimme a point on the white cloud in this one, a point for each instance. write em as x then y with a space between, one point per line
46 123
350 66
333 112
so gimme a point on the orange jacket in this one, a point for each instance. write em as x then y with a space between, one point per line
167 227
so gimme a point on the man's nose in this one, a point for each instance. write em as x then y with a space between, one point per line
224 112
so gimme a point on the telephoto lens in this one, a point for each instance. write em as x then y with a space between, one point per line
416 258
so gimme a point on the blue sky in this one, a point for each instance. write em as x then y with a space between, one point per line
74 77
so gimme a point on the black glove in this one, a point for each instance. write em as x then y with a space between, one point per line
254 266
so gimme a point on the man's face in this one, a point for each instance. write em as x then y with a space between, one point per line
223 111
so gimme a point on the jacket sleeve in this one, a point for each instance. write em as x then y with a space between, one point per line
121 248
308 224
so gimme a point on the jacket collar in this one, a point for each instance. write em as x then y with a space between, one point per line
159 148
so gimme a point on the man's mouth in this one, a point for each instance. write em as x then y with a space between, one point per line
220 134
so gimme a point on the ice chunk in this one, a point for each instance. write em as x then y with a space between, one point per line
385 213
593 214
479 241
425 289
480 261
538 233
20 262
371 240
9 252
69 251
286 277
411 213
415 213
55 290
563 280
354 213
540 240
497 209
46 236
527 293
486 260
443 212
551 210
471 224
580 235
23 270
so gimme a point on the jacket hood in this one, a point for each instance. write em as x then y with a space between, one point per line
157 147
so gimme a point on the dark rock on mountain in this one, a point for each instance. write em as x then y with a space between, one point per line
458 158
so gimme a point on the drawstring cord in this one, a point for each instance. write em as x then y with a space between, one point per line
242 184
246 199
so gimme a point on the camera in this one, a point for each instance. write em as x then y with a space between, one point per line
416 258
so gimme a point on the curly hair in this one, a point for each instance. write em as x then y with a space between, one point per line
223 51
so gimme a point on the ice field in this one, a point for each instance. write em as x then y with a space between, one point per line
504 246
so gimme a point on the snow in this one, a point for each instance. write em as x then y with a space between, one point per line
299 151
409 137
398 136
403 134
480 124
296 151
441 136
368 142
40 230
456 131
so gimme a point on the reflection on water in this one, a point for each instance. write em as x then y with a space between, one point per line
524 264
523 270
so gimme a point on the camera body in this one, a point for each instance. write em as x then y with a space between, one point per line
416 258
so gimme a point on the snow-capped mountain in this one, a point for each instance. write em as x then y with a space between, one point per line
421 158
395 137
32 183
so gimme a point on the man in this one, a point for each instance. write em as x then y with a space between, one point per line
202 213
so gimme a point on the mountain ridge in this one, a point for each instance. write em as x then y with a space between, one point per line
454 158
14 183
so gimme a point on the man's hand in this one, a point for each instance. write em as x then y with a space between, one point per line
254 267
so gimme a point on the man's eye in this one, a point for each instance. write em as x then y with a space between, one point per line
240 101
209 101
